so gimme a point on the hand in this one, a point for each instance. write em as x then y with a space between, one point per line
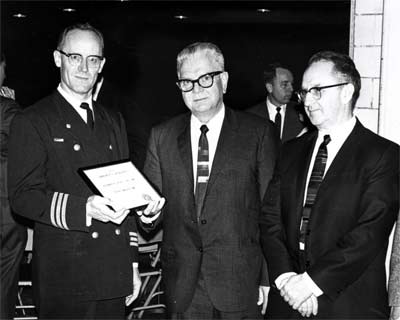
395 313
98 208
137 283
310 306
263 297
7 92
295 291
152 211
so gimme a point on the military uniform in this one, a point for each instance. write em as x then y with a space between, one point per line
49 143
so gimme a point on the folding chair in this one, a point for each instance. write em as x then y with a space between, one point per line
24 307
150 297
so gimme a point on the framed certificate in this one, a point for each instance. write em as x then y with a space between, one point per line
121 182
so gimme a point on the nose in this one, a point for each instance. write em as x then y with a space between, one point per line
83 65
290 87
197 87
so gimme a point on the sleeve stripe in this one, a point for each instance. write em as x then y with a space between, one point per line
53 203
64 207
58 210
131 233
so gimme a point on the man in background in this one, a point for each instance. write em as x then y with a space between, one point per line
84 266
277 107
13 234
394 278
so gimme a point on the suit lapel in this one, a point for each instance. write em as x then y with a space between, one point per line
305 152
226 144
185 150
344 156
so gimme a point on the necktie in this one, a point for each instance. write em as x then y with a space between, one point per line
316 177
278 121
89 114
202 170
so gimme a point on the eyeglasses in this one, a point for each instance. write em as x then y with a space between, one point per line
315 91
76 59
204 81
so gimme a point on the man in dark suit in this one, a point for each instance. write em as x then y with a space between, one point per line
213 166
277 107
326 246
83 265
12 233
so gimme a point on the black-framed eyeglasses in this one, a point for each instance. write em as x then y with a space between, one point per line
76 59
204 81
315 91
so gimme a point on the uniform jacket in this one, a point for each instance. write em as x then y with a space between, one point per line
351 219
292 125
394 279
49 142
224 245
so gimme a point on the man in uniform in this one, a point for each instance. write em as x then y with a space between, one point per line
84 266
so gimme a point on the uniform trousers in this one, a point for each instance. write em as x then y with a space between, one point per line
69 308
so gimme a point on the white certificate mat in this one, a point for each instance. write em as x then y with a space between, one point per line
122 182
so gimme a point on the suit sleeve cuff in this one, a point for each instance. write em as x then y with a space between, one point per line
312 285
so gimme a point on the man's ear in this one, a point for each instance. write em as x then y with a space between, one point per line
57 58
102 65
224 78
268 86
347 93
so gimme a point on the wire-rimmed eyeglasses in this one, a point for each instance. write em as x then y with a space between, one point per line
315 91
204 81
76 59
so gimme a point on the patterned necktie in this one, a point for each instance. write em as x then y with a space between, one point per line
316 177
278 121
202 169
89 114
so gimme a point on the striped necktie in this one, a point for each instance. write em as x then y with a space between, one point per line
89 115
316 177
202 170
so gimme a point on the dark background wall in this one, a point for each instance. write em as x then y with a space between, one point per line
143 38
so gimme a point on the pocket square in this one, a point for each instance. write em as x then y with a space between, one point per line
58 139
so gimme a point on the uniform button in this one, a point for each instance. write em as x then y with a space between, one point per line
117 231
95 235
204 221
68 126
110 147
77 147
201 249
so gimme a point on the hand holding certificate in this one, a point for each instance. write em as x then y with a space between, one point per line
123 184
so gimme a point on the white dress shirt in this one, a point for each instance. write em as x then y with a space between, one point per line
76 103
214 129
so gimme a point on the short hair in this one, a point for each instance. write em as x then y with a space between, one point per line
80 26
270 71
210 49
343 66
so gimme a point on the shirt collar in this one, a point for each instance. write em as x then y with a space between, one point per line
270 105
215 123
340 132
73 101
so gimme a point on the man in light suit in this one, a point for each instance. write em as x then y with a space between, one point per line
277 107
326 244
211 254
394 279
